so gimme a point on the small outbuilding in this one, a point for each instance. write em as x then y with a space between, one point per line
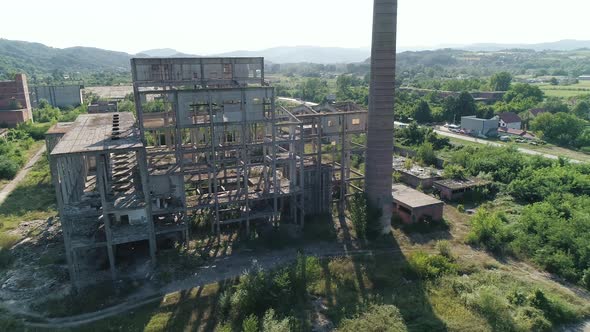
454 189
413 206
416 176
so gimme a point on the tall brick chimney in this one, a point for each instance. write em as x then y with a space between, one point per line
379 161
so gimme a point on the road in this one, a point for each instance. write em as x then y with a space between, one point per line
481 141
7 190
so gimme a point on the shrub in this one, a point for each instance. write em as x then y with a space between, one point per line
224 304
359 214
281 289
452 171
555 310
488 230
8 167
494 307
35 131
426 154
461 208
224 328
250 324
532 319
271 324
430 266
444 249
378 318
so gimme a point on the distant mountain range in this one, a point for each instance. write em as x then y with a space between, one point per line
290 54
37 58
562 45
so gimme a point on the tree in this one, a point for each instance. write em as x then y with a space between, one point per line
553 81
500 81
422 112
561 128
555 105
524 92
456 107
582 110
426 154
313 89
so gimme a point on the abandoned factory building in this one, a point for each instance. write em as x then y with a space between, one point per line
209 143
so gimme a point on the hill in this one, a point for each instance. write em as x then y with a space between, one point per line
313 54
163 52
39 59
561 45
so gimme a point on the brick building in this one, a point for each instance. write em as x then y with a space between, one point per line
15 105
413 206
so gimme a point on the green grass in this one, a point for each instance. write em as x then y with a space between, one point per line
566 91
32 199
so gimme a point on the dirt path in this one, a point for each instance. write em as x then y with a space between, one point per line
7 190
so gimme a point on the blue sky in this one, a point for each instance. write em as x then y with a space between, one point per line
212 26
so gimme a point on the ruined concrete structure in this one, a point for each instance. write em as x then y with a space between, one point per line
58 95
209 144
381 102
15 105
103 106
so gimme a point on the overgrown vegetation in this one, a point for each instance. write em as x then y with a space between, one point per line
14 147
378 293
38 193
365 217
552 228
45 113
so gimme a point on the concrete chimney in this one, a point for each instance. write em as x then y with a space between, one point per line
378 169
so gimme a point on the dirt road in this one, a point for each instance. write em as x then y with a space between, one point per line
481 141
7 190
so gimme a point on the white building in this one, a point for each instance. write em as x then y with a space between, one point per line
510 120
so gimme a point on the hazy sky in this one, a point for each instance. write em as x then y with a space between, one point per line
212 26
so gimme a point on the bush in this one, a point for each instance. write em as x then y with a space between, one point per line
271 324
281 289
430 266
35 131
426 154
556 235
378 318
359 214
461 208
454 172
250 324
8 167
488 230
444 249
554 310
490 304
